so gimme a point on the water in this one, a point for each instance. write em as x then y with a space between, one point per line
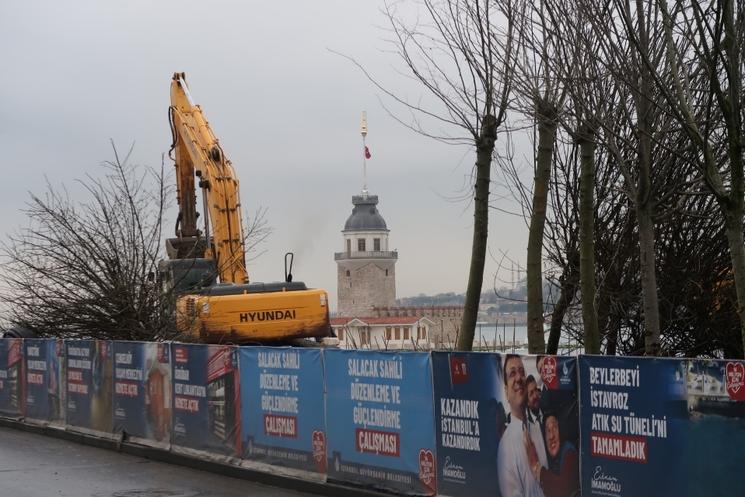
509 337
485 334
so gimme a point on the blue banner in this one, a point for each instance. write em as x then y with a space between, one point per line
283 417
658 427
470 416
206 398
41 378
506 425
142 390
381 420
89 384
11 376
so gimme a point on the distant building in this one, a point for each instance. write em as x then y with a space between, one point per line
366 268
445 319
367 314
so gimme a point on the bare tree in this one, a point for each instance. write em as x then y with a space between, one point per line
588 90
541 94
559 75
86 269
702 83
562 239
462 54
637 108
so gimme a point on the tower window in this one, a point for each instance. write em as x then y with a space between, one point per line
349 246
386 272
348 273
361 244
376 244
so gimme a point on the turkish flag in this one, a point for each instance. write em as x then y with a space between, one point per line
367 153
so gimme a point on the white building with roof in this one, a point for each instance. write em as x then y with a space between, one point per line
384 333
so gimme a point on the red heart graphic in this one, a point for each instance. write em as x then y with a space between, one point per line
548 372
319 450
735 380
427 469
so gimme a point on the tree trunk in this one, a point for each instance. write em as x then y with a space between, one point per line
586 239
612 341
569 283
546 141
484 150
733 226
603 310
648 281
643 200
732 111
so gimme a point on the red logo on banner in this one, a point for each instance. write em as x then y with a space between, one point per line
735 379
458 370
219 364
427 468
548 372
162 353
319 450
182 355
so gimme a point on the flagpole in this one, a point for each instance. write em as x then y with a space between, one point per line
363 131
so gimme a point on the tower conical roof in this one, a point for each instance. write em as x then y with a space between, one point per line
365 215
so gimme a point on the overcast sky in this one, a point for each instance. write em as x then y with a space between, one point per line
286 110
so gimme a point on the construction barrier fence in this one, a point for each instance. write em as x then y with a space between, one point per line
412 423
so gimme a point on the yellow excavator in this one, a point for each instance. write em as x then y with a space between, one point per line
206 270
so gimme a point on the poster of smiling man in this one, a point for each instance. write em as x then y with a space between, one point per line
506 425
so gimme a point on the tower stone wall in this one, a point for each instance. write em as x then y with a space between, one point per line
364 285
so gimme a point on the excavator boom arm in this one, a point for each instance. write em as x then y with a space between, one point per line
199 152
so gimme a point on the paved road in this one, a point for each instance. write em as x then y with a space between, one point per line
34 465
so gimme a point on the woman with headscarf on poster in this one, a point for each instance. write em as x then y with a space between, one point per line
561 478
